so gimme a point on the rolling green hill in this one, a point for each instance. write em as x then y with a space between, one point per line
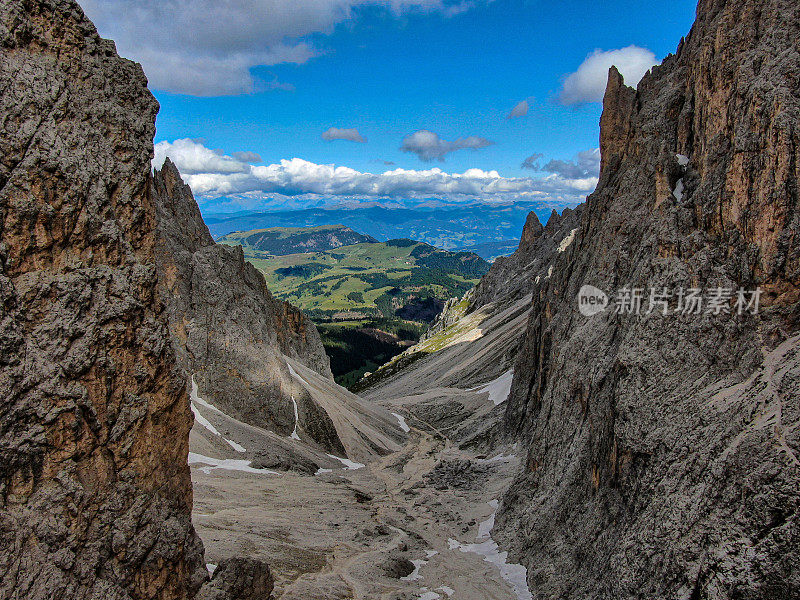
370 300
399 278
280 241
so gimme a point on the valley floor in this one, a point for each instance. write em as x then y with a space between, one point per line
415 524
411 523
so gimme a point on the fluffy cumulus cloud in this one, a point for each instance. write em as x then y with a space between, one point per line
207 47
428 146
520 110
588 83
351 135
223 175
192 157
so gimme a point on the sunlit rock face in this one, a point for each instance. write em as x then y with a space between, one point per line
662 451
95 493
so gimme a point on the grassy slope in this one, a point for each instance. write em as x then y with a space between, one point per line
370 301
362 278
289 240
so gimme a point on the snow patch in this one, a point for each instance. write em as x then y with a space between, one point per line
402 420
229 464
430 596
485 527
447 590
496 459
195 398
320 471
235 446
515 575
296 375
211 568
349 465
549 272
678 191
418 564
294 435
567 240
203 421
683 160
499 389
415 575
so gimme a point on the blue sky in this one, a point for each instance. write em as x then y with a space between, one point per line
387 69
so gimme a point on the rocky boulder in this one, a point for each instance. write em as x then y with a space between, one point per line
239 579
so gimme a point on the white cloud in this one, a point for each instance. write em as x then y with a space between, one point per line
588 83
191 157
207 47
222 175
351 135
429 146
520 110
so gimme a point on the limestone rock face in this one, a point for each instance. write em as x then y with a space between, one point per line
513 277
239 579
95 493
228 329
663 451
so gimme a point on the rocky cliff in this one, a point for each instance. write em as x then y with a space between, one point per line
228 330
95 494
513 277
663 450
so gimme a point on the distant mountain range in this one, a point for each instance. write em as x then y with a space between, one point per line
473 226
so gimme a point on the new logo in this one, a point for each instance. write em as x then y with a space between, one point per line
591 300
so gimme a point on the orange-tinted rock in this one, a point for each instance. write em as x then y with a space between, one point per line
95 493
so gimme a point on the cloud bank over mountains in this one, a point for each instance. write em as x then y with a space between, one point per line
212 174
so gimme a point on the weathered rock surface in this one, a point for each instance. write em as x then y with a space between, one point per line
453 310
95 492
443 382
239 579
256 360
663 450
513 277
227 327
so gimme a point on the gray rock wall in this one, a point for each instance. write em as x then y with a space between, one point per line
95 493
227 328
662 451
